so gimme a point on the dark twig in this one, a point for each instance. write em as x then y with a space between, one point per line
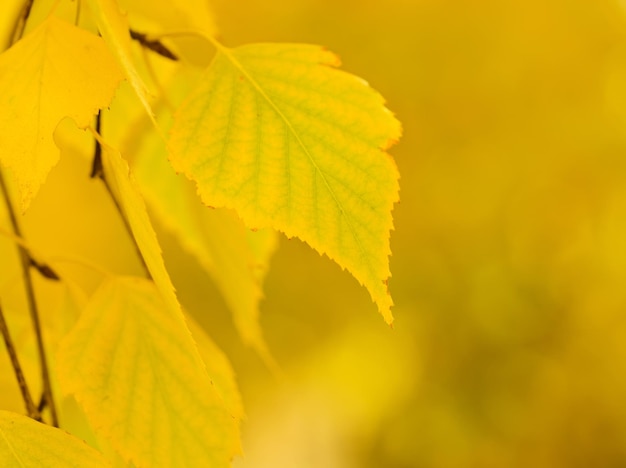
96 167
32 303
18 32
20 24
42 403
44 270
153 44
19 375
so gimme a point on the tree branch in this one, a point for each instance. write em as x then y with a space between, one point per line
32 303
20 24
154 45
19 375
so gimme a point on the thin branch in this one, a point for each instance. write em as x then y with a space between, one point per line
20 24
31 409
96 167
77 15
97 170
32 303
43 268
154 45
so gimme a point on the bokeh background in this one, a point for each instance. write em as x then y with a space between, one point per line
509 249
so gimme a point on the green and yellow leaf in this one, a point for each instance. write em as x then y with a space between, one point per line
25 442
289 142
235 257
137 374
57 71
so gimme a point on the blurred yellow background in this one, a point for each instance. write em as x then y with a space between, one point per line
509 254
509 249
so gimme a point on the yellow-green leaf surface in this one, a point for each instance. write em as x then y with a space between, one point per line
289 142
28 443
137 374
235 257
57 71
114 28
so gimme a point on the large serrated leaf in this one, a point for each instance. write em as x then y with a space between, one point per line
57 71
289 142
137 374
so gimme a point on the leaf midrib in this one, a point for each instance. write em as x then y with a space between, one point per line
255 85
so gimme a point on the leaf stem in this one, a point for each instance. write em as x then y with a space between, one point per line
20 24
32 303
36 262
155 45
97 170
17 368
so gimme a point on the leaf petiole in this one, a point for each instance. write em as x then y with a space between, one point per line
31 409
20 24
26 262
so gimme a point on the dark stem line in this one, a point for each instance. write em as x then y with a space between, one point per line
31 409
154 45
20 24
26 260
32 303
97 170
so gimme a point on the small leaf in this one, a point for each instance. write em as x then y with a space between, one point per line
125 190
28 443
114 29
291 143
235 257
137 374
57 71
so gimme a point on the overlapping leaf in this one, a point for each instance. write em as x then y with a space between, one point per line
114 28
125 191
27 443
136 372
276 133
234 257
57 71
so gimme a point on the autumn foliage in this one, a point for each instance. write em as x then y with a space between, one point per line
272 137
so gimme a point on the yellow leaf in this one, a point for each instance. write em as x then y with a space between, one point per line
56 71
219 369
25 442
125 191
114 28
137 374
276 133
232 255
